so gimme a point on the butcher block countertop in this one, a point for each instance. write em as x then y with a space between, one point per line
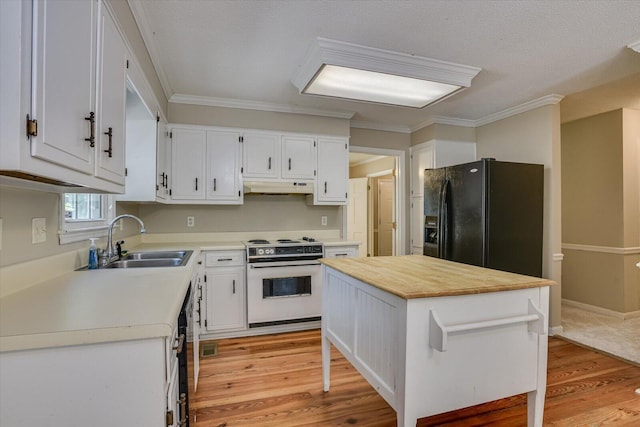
417 276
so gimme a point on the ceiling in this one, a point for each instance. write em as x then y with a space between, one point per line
244 53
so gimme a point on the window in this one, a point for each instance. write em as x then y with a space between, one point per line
84 215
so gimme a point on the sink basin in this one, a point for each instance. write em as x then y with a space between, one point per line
157 255
152 259
139 263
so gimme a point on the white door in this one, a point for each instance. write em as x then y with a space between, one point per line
298 157
63 84
357 213
111 97
188 164
261 155
385 216
223 166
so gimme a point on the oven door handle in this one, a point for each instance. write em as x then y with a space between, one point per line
283 265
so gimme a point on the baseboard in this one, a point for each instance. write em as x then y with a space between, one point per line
555 330
600 310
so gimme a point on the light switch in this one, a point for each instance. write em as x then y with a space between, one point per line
38 230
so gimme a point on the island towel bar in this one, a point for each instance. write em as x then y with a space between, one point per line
438 333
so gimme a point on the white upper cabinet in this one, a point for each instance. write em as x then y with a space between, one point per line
224 155
163 161
68 67
298 157
206 166
188 148
261 155
332 181
64 82
112 81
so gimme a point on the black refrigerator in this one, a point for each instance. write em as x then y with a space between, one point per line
486 213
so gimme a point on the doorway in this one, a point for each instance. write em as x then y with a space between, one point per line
374 211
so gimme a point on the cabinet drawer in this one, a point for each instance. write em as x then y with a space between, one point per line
224 258
341 252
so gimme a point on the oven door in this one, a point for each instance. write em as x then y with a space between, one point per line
283 292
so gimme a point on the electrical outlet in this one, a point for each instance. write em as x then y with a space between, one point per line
38 230
191 221
323 220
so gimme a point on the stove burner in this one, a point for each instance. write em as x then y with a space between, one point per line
259 242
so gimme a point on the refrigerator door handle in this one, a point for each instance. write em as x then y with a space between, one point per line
443 219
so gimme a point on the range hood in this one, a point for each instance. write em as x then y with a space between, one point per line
278 187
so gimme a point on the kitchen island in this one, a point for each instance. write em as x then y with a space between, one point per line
433 336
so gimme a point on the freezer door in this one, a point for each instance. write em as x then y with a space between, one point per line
466 213
433 180
514 217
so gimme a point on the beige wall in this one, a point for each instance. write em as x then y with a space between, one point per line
601 210
362 170
534 137
258 213
443 133
18 207
128 25
253 119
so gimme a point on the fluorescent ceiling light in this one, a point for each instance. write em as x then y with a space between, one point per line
345 70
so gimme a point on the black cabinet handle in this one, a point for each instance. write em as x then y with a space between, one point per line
92 123
215 186
325 187
234 286
289 163
110 149
196 184
269 163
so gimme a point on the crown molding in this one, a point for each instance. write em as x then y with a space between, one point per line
362 124
518 109
634 46
443 120
257 105
139 15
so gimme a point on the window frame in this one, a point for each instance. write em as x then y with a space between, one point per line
79 230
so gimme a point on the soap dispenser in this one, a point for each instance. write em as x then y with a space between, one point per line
93 254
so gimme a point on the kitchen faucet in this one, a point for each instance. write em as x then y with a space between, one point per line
110 250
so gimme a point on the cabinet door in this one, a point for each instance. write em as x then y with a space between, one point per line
163 160
333 171
298 157
63 82
417 224
111 102
188 164
225 298
223 166
421 158
261 155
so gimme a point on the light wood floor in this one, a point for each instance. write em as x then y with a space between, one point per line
276 380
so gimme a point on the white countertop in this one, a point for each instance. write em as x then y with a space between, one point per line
94 306
105 305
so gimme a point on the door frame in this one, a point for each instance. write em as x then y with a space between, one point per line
400 167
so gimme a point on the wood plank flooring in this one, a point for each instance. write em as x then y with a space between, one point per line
276 380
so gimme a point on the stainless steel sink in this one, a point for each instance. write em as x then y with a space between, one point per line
139 263
157 255
152 259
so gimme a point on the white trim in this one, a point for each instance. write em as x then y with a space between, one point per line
442 120
139 15
257 105
633 250
600 310
362 124
519 109
400 167
366 161
380 173
555 330
558 257
635 46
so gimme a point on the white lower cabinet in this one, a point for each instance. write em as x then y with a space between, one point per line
224 277
350 251
122 383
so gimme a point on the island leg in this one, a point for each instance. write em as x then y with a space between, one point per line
326 361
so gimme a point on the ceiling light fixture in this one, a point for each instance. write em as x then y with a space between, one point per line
346 70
